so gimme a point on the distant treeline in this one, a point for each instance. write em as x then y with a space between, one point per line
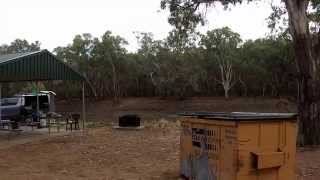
218 63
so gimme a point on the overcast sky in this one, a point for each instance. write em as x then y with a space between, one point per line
55 22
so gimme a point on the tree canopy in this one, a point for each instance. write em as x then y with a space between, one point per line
297 18
262 67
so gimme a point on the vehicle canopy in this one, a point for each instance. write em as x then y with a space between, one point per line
46 100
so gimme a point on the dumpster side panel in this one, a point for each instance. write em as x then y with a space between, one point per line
205 161
248 134
266 150
228 154
185 149
208 150
287 171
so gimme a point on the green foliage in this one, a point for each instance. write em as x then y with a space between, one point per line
263 67
17 46
278 21
272 60
100 59
185 15
221 45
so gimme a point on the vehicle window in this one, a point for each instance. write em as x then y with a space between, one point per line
32 101
9 101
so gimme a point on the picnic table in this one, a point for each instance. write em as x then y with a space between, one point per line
5 122
9 126
55 120
69 120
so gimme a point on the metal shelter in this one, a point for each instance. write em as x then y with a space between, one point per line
38 66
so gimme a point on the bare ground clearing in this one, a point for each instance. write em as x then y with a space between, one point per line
104 153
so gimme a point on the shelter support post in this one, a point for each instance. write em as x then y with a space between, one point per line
0 101
38 101
83 106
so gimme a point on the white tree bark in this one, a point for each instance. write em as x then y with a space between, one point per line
226 75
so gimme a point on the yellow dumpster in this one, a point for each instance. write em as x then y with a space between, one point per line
238 146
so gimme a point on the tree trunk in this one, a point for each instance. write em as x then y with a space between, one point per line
263 90
308 79
226 93
226 78
115 84
245 88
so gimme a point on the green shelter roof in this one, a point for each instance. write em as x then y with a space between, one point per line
35 66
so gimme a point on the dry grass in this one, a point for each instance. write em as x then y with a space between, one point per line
163 124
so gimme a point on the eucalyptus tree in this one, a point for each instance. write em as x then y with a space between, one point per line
110 54
221 45
267 67
78 55
101 59
19 46
303 25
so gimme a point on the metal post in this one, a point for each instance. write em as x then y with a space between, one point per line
38 102
0 102
83 106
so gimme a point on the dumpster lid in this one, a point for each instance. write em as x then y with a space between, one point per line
239 116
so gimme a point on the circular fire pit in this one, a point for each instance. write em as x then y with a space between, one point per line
129 121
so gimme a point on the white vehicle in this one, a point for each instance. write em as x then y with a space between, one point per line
46 101
21 106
